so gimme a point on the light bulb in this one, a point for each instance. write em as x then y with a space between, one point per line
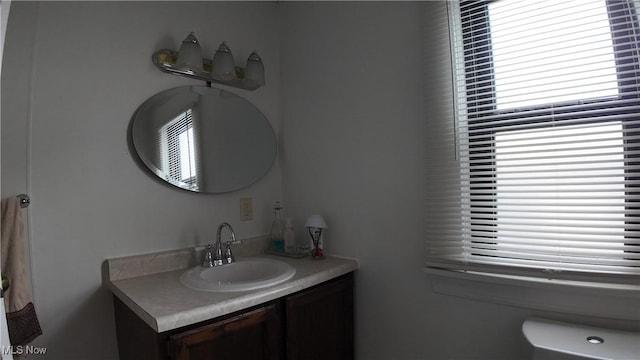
223 66
254 71
190 55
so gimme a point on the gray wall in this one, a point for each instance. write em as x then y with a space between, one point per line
350 87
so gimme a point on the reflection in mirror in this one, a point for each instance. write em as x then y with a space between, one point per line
203 139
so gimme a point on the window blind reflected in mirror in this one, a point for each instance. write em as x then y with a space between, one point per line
178 151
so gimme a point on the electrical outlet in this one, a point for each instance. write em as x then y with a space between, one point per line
246 209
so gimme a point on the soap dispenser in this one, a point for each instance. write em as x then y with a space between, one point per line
277 229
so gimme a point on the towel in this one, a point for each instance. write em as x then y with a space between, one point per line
22 321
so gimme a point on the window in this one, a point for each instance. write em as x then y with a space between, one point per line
547 131
178 151
540 59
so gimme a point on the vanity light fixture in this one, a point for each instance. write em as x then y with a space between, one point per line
221 70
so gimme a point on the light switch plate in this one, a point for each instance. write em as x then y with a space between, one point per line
246 209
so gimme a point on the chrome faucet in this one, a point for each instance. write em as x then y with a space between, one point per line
214 257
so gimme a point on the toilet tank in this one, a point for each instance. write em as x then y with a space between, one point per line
554 340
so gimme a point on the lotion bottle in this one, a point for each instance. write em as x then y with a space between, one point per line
289 237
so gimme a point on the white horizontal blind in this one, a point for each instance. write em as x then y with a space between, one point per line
178 151
547 128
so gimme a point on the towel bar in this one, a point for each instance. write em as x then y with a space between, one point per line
24 200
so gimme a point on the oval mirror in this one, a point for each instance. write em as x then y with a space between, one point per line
203 139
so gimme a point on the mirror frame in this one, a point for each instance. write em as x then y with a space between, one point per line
242 136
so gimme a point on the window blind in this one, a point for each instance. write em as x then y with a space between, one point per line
546 175
178 151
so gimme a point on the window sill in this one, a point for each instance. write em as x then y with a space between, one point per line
604 300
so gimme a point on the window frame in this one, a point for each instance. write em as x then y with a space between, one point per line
481 103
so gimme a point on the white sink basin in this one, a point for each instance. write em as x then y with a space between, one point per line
244 274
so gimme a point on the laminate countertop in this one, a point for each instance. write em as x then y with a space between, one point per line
150 286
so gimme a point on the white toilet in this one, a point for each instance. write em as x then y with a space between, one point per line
553 340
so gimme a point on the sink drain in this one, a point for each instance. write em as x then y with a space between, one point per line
595 340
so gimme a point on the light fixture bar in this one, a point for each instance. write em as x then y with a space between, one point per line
166 61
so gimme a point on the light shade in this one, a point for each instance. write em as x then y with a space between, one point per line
316 221
223 66
190 55
254 71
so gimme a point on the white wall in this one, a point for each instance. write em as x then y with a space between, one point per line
73 75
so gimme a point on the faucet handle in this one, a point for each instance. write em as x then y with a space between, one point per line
208 261
217 258
228 255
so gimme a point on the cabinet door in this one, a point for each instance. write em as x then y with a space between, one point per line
255 335
320 322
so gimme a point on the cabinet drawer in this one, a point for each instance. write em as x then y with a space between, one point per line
252 335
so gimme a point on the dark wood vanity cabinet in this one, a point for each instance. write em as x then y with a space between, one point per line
316 323
319 322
